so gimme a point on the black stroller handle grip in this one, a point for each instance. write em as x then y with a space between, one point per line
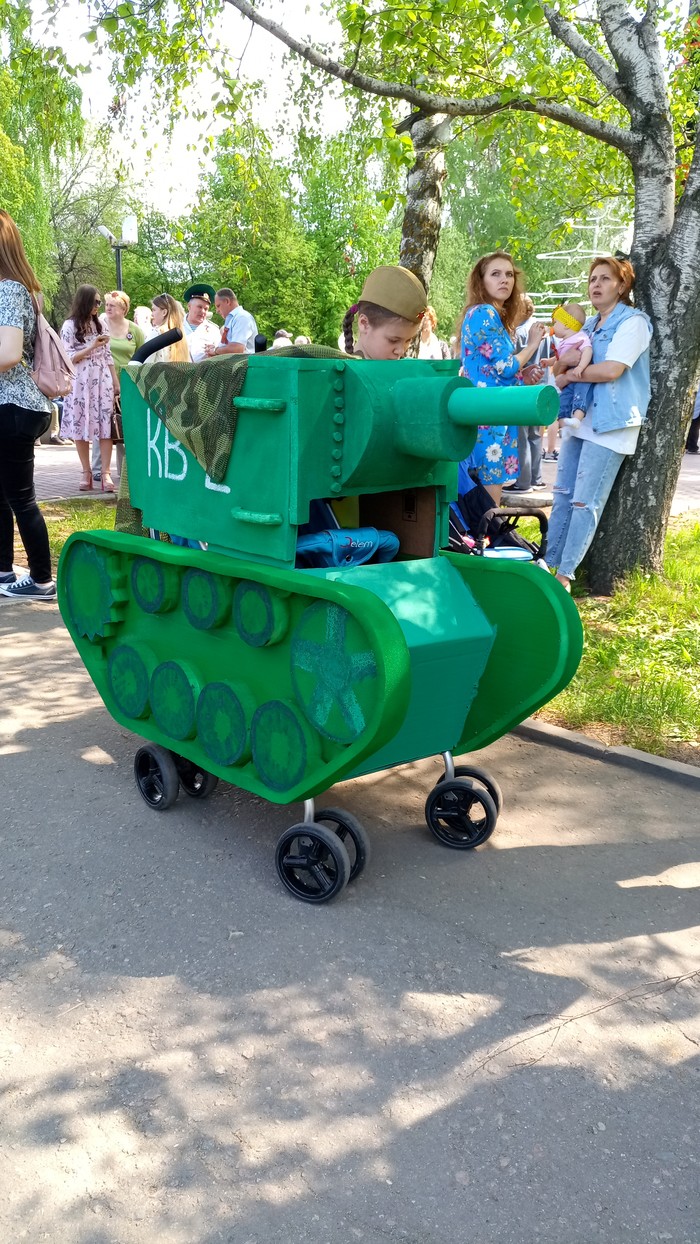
523 512
148 348
520 512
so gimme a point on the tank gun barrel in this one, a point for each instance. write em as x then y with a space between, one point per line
431 415
524 404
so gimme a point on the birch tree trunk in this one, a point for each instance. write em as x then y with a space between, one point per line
422 219
633 526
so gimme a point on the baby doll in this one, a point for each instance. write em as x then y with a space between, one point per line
567 325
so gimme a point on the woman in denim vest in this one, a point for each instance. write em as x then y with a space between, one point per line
611 402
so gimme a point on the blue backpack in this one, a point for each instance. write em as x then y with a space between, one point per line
323 543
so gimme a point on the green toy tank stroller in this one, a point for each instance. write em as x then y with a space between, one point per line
236 664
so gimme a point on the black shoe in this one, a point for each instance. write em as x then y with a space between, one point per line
692 451
27 589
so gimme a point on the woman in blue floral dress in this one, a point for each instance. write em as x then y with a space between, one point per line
489 357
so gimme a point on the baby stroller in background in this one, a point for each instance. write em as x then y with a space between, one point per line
479 528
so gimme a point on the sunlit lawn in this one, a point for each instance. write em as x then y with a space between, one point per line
65 517
639 680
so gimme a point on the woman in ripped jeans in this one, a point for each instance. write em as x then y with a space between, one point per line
610 404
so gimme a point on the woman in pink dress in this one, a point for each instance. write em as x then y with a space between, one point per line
87 411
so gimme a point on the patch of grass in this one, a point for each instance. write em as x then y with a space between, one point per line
638 680
65 517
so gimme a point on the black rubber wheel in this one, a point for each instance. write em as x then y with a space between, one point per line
353 835
197 783
156 776
481 780
312 863
459 815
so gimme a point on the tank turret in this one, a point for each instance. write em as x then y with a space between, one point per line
306 428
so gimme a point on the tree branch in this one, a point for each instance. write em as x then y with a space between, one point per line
601 68
620 30
428 103
637 54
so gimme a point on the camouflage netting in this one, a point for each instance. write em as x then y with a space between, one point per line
196 403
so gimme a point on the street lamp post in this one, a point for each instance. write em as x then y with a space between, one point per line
130 236
118 259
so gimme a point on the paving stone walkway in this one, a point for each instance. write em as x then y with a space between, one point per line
57 477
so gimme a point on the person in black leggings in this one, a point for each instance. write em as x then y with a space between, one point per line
25 413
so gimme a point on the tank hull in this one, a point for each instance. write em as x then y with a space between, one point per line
285 682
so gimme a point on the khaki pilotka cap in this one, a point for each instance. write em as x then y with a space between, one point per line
397 290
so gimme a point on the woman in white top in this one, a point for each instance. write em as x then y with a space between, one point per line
429 346
166 313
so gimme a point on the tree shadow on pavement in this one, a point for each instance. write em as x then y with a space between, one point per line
492 1046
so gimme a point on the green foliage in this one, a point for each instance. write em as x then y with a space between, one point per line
507 196
243 233
351 232
158 264
464 48
449 280
86 189
39 118
17 191
296 251
638 677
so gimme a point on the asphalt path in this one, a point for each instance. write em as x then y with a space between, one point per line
495 1046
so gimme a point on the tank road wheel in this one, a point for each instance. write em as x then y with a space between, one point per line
459 815
480 779
196 782
156 776
353 835
312 863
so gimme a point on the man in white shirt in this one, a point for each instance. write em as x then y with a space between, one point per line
239 331
200 332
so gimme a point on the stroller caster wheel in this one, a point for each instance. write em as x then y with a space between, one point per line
459 815
353 835
312 863
480 780
156 776
196 782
